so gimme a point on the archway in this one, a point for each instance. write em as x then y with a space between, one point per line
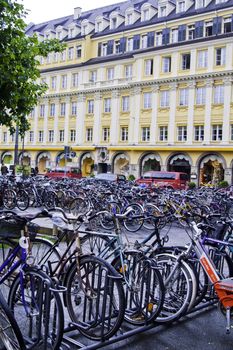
25 158
211 169
150 162
43 161
60 159
87 164
180 163
7 158
121 164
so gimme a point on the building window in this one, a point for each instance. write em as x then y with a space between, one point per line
78 51
217 133
149 67
61 135
166 64
89 134
53 83
71 33
32 114
113 23
117 46
74 80
104 49
110 73
98 27
90 106
106 134
128 71
51 135
191 32
163 132
164 98
64 81
199 133
227 26
219 94
146 133
200 4
220 56
41 136
42 110
144 41
107 105
163 11
74 108
147 100
184 93
72 135
208 28
202 59
63 109
158 39
181 6
124 134
125 103
70 53
129 44
129 19
200 95
52 109
63 55
93 76
174 36
185 61
31 136
146 15
182 133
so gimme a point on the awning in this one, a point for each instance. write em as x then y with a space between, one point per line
7 154
179 157
24 154
86 156
212 157
43 155
121 156
150 157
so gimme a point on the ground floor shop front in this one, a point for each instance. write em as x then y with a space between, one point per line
202 165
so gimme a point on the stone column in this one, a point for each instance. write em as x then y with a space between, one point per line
80 129
97 118
135 108
46 121
114 128
153 125
66 121
226 110
191 98
208 105
57 109
172 114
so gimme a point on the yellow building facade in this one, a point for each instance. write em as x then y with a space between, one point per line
140 86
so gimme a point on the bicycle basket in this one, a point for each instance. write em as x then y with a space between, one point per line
11 226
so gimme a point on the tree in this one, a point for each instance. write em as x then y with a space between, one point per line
19 89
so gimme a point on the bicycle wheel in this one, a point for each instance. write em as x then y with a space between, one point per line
144 289
95 298
106 220
9 199
101 246
132 223
79 206
37 309
22 200
149 211
180 288
45 252
10 336
50 199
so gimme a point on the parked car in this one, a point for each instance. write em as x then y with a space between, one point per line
168 179
64 172
110 177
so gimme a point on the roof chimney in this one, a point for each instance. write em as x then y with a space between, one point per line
77 12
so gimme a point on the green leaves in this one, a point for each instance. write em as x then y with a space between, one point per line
19 73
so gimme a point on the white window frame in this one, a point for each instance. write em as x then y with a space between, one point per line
200 95
128 71
158 39
147 100
174 35
107 105
220 56
74 108
61 135
218 95
41 136
164 98
182 133
184 94
71 53
125 104
51 136
72 135
202 59
31 136
63 109
89 134
149 67
145 134
129 46
90 106
105 134
199 133
42 110
124 133
64 81
74 80
110 73
163 133
166 64
53 83
52 110
217 132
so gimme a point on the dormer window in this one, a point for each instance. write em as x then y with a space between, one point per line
146 15
71 33
200 4
163 11
113 23
84 29
59 35
98 27
181 6
129 19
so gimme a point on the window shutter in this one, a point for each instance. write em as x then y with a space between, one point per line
136 42
182 32
122 44
217 25
199 29
165 36
99 49
110 47
150 39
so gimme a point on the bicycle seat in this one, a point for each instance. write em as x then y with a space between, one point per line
225 284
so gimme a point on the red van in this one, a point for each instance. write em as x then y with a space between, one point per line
64 172
168 179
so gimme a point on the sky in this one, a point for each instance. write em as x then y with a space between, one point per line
44 10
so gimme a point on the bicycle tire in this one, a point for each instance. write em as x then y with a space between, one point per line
180 293
131 223
34 325
98 317
150 210
144 288
79 205
22 200
9 199
10 335
101 246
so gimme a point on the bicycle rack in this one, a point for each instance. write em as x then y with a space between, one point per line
125 334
